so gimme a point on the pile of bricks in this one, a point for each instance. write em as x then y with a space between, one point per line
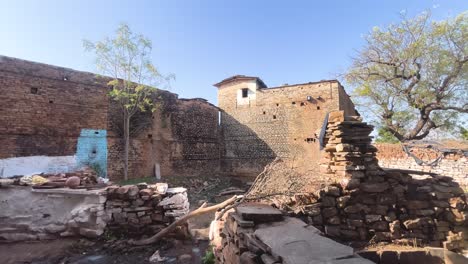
364 202
142 208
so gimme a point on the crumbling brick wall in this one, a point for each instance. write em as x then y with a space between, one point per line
453 164
45 108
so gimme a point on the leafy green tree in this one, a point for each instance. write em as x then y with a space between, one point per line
464 133
412 76
124 60
385 136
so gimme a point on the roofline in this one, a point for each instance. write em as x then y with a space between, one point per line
242 78
317 82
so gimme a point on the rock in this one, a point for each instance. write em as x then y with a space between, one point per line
417 204
333 231
334 220
161 188
343 200
329 212
312 209
156 257
259 213
379 226
91 233
446 189
133 191
353 209
328 201
73 182
376 187
185 258
373 218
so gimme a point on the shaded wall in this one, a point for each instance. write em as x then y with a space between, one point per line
276 122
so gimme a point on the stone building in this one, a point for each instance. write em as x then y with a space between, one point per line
260 123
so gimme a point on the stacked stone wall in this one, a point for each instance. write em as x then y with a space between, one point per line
144 209
363 202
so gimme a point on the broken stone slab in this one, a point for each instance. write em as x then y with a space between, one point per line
259 213
178 199
295 244
176 190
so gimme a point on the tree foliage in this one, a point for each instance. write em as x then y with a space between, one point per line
125 61
412 76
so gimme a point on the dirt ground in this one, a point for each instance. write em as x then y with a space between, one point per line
81 251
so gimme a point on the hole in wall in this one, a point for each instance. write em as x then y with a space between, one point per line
34 90
308 140
96 132
45 215
318 107
51 101
150 136
274 116
93 151
264 112
293 103
302 104
277 104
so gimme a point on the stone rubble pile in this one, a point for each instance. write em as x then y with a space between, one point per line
364 202
143 208
258 233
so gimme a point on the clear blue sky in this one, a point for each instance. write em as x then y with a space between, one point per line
203 42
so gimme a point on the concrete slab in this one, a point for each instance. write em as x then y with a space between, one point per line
259 213
296 244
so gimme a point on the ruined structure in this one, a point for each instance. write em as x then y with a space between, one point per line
260 123
38 214
55 119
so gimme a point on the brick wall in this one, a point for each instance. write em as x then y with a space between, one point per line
45 108
275 122
454 164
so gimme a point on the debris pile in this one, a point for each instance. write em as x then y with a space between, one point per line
143 208
258 233
86 178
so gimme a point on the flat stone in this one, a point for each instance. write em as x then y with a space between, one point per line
375 187
259 213
295 244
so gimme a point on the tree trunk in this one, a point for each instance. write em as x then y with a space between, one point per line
126 143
